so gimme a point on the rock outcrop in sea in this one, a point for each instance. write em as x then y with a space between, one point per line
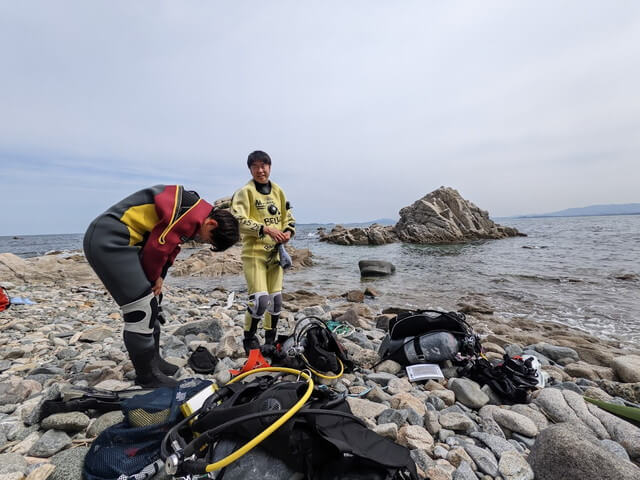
372 235
441 216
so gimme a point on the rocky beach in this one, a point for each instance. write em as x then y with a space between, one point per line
454 428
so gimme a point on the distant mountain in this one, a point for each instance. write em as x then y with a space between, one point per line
594 210
380 221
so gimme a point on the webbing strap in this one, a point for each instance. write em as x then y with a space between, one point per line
418 348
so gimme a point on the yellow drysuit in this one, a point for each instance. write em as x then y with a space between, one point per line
254 211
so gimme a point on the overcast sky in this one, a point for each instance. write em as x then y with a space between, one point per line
364 106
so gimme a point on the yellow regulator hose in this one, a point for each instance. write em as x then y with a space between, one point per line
232 457
321 375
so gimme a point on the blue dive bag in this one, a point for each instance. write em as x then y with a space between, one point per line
130 450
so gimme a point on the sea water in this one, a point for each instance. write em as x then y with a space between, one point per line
578 271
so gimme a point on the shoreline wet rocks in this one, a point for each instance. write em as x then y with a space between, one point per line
454 428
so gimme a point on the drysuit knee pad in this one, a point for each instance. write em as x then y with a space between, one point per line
140 315
275 304
258 303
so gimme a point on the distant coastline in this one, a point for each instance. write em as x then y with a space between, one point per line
550 215
590 211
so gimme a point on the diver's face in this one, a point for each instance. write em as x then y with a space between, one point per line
206 229
260 172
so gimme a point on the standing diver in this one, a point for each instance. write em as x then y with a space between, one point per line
131 247
266 222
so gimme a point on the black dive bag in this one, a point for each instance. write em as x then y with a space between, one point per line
428 336
312 345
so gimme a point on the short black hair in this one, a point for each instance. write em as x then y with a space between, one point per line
258 156
227 233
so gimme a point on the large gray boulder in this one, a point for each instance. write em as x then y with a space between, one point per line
443 216
564 452
375 268
628 368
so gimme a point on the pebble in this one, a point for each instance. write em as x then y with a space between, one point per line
365 408
513 466
464 472
381 378
67 422
457 422
437 402
12 462
485 460
398 385
103 422
468 393
406 400
390 415
515 422
50 443
447 396
389 366
389 430
532 414
555 352
498 445
422 458
414 436
458 455
553 404
431 422
414 418
68 464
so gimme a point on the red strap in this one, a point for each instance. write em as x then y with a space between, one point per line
255 360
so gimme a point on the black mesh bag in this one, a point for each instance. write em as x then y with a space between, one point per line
130 450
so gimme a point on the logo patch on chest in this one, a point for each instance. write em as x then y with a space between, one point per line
273 210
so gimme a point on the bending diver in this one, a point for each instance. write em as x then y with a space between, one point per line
131 247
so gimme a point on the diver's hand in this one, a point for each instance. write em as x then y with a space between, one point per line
277 235
287 235
156 288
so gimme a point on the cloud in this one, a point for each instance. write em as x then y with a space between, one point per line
364 106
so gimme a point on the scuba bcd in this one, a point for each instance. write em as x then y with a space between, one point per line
312 346
309 429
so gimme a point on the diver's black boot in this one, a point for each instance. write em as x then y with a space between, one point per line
250 342
142 352
165 367
269 346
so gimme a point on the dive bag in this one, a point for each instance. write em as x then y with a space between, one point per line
312 345
130 450
428 336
